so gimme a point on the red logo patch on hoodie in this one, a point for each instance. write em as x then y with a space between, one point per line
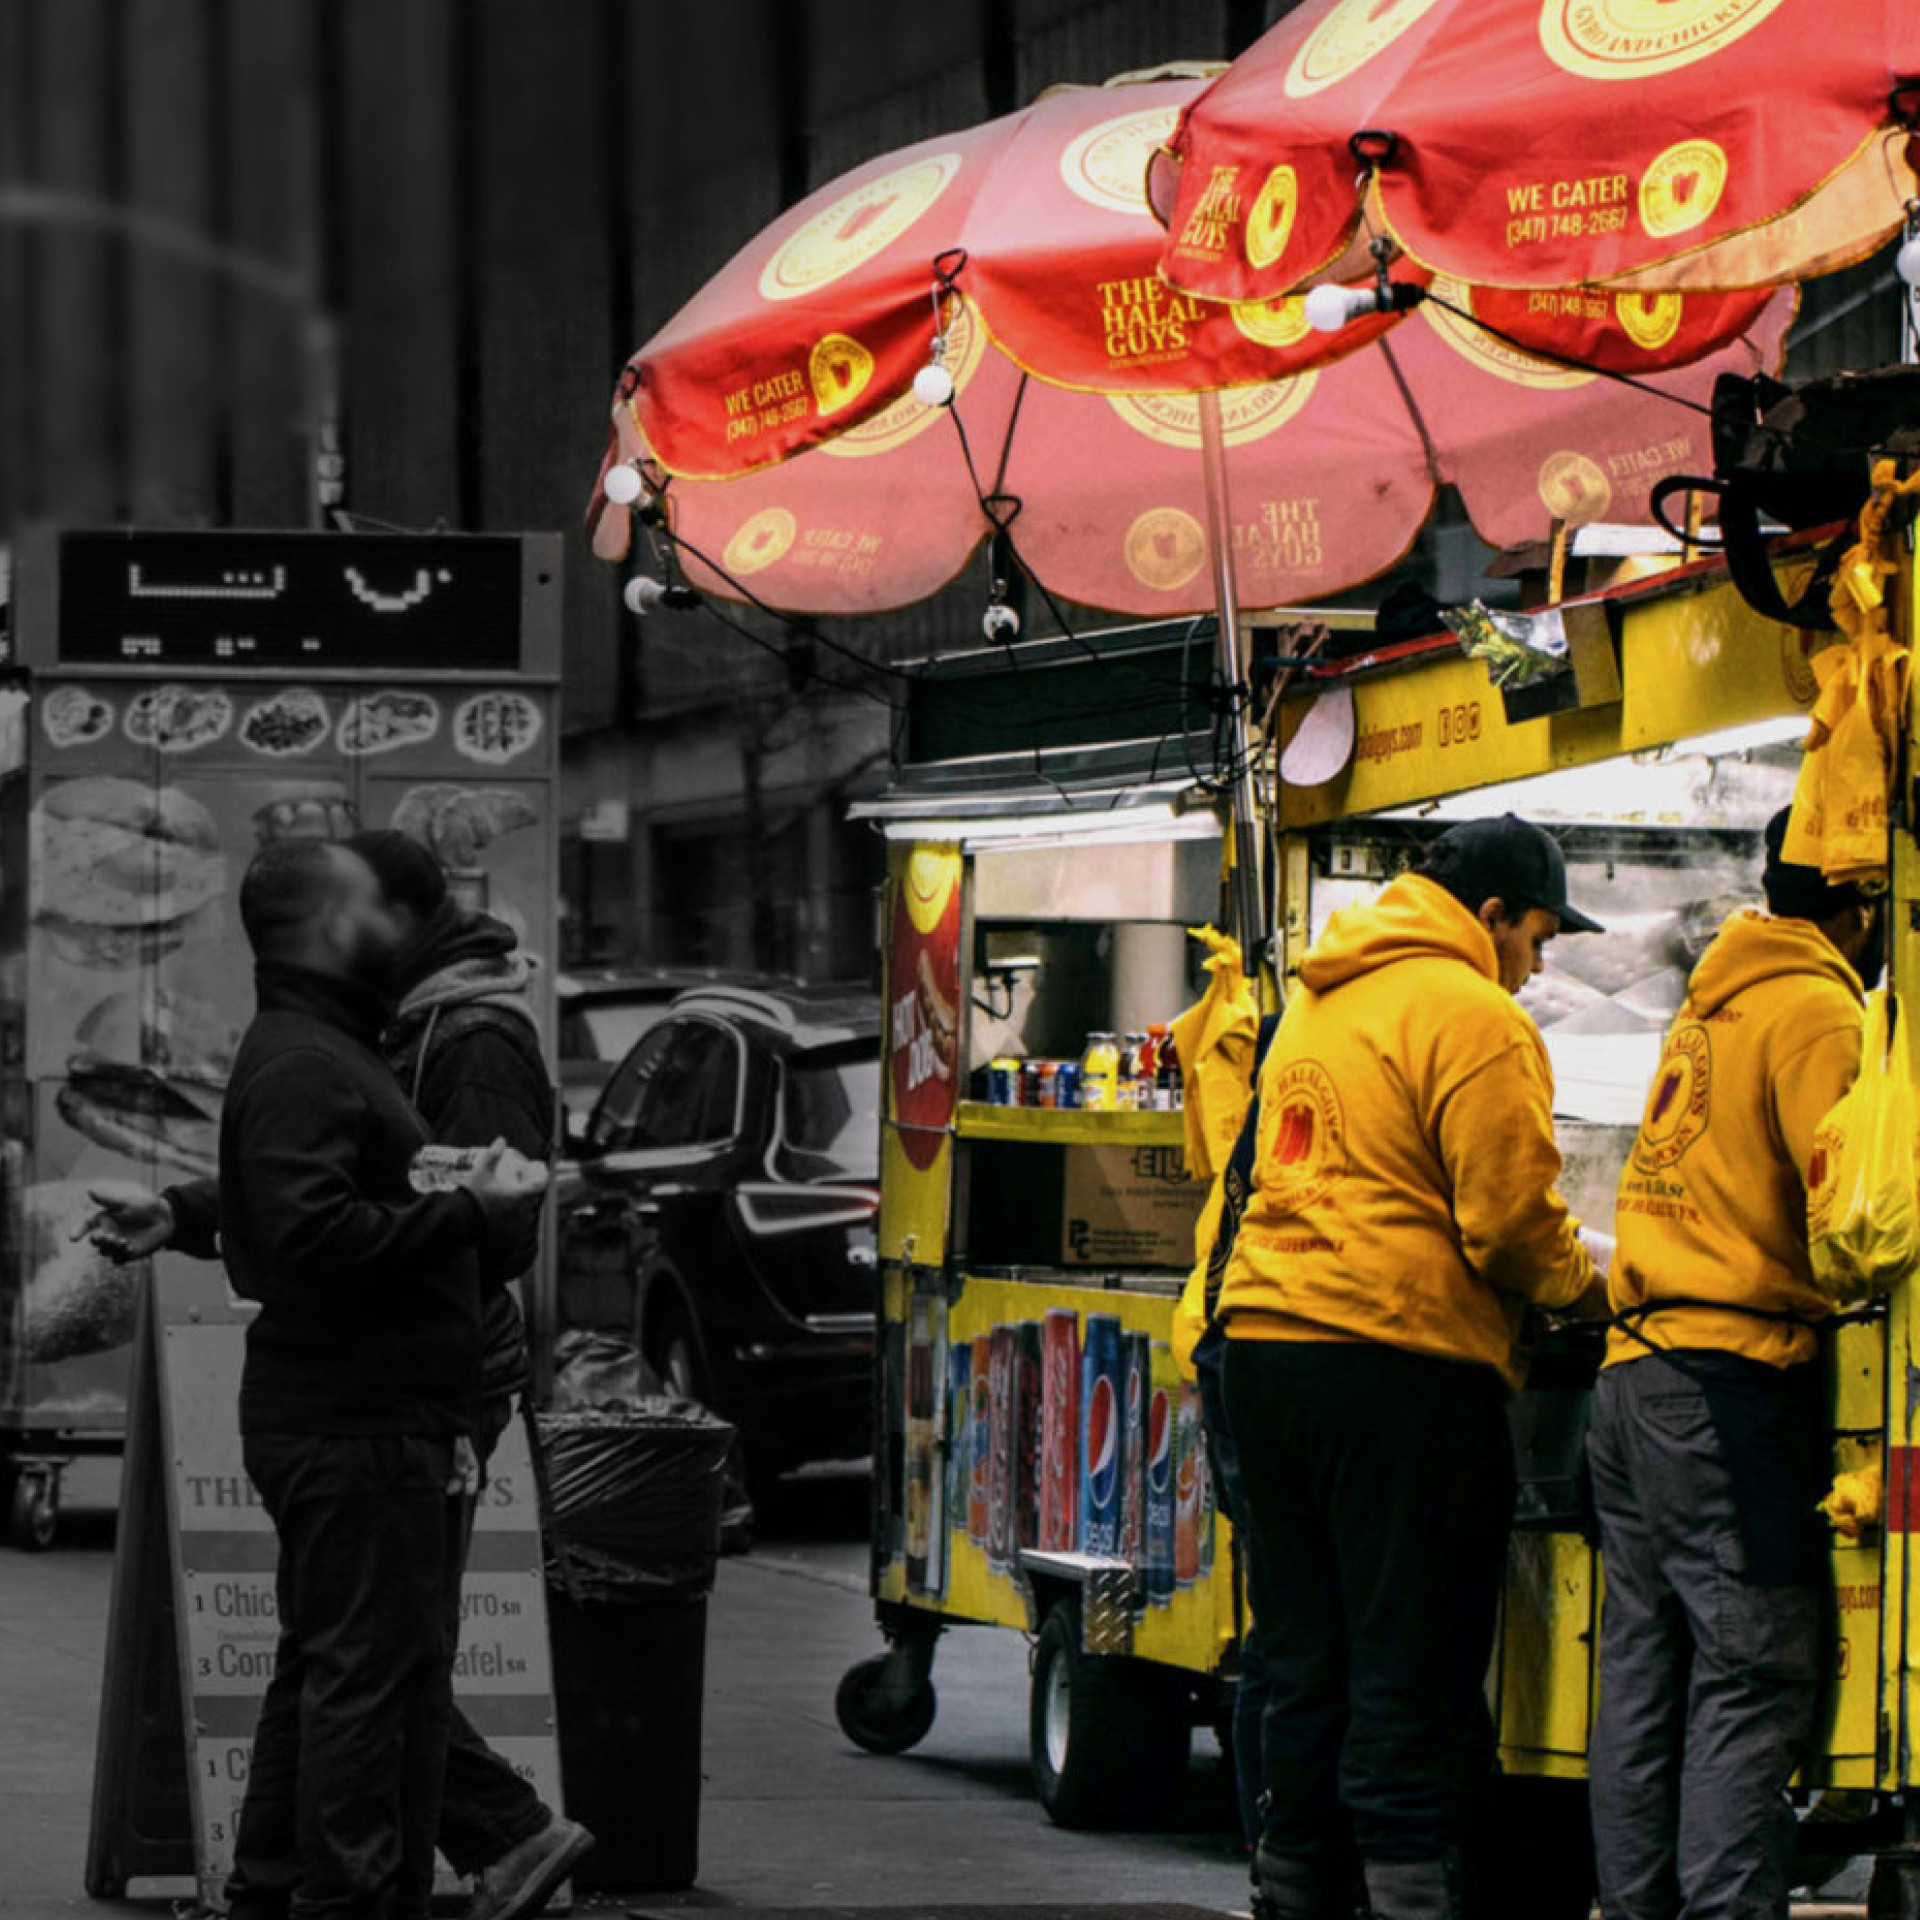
1306 1151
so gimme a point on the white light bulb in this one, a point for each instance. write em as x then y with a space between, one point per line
622 484
1906 263
1329 308
643 593
1000 624
933 385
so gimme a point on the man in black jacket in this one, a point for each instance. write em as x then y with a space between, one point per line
466 1051
360 1394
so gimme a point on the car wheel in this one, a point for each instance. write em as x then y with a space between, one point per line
1108 1738
674 1355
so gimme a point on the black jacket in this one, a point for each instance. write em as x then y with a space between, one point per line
369 1293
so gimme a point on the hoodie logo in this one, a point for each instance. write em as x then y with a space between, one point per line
1677 1104
1307 1148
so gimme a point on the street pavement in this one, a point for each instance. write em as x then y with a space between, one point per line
793 1816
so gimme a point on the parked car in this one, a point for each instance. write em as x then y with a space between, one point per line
720 1213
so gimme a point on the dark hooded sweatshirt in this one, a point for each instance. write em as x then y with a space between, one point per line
369 1293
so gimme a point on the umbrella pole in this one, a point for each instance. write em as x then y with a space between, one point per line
1249 907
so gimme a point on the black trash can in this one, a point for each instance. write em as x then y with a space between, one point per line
634 1503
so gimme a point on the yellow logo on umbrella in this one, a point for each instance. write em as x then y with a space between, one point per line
854 228
1453 299
907 418
1107 165
1351 34
1272 323
1682 187
760 541
1649 320
839 367
1574 489
1270 224
1165 548
1246 413
1630 39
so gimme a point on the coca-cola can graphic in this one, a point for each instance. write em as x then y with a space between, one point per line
958 1436
1189 1474
1162 1418
1100 1449
1002 1446
1027 1364
979 1437
1136 1359
1059 1430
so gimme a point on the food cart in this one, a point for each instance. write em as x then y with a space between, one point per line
173 702
1656 753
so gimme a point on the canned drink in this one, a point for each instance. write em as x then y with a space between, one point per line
1059 1430
1100 1436
1136 1359
1162 1419
1189 1469
979 1439
959 1433
1003 1083
1001 1448
1066 1083
1047 1084
1027 1397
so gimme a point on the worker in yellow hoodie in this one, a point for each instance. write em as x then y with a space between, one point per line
1708 1444
1401 1219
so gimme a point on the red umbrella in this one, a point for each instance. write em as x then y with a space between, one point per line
1544 143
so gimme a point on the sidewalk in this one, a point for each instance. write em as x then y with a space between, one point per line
794 1816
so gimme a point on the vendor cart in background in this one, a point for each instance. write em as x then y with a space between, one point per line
174 702
1023 882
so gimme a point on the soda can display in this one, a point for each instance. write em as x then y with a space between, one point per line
920 1465
1002 1447
1162 1418
1066 1083
1059 1430
1209 1499
1027 1375
1030 1083
1189 1470
1100 1448
979 1439
1046 1083
893 1400
1003 1083
1136 1391
959 1434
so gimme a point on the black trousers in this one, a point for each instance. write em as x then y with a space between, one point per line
1379 1490
485 1808
343 1791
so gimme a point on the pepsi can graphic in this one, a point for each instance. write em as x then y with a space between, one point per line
979 1439
1136 1390
959 1433
1060 1430
1027 1390
1189 1472
1100 1444
1163 1401
1002 1446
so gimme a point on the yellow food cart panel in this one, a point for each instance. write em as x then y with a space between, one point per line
1544 1663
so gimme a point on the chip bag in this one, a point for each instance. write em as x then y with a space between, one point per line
1863 1226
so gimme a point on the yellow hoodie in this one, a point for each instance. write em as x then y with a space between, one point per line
1404 1175
1713 1204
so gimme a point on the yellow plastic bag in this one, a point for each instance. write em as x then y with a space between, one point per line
1863 1227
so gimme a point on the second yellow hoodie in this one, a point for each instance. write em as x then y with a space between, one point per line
1405 1165
1713 1203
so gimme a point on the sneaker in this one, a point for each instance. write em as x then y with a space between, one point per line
520 1883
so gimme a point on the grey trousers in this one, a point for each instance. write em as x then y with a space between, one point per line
1707 1682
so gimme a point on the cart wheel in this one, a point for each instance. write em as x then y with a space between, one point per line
875 1724
1108 1738
35 1513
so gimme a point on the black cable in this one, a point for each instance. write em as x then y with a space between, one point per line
710 606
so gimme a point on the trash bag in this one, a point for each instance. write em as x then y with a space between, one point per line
634 1499
1863 1226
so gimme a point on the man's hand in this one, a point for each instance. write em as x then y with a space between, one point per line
502 1180
131 1224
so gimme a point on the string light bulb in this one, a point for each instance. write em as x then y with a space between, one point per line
933 384
623 485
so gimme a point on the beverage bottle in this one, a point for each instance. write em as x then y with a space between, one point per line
1134 1072
437 1169
1169 1094
1100 1073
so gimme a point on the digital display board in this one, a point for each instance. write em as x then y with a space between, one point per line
294 600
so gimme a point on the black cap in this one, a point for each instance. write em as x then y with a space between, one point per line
1508 859
1796 892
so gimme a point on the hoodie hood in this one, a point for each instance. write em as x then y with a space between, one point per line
464 959
1410 918
1752 947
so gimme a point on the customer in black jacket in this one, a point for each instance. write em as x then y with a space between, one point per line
360 1395
465 1048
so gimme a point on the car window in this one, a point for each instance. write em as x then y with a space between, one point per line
615 1121
678 1088
830 1117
